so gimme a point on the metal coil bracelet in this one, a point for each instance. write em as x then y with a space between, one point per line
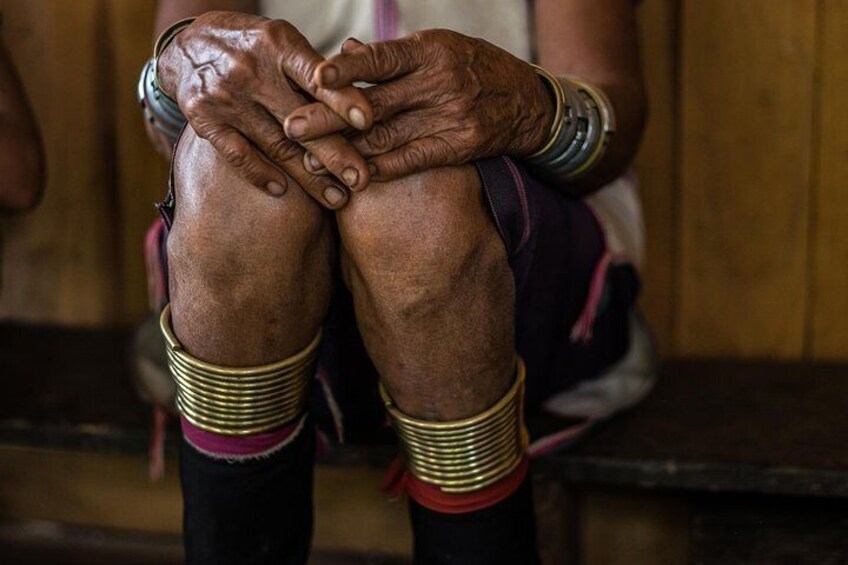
465 455
583 124
237 401
159 109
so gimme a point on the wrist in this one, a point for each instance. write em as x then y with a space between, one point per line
165 57
541 109
168 71
582 128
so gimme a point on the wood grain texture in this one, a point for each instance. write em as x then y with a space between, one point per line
747 95
829 336
111 490
655 163
141 173
59 260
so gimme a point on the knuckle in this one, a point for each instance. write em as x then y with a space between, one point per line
236 154
237 69
425 36
383 100
337 158
214 92
211 96
327 157
195 106
375 57
464 106
413 157
386 58
475 132
378 105
322 116
280 31
452 79
297 65
380 138
281 149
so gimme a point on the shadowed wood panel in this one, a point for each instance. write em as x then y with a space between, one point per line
655 164
141 174
110 490
747 94
830 286
59 260
632 528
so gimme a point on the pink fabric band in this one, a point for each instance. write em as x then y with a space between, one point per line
231 447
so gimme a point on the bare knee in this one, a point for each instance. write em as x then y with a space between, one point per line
243 262
412 241
433 291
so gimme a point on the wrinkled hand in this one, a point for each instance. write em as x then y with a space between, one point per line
237 76
441 98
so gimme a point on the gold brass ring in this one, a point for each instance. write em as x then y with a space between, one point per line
469 454
239 400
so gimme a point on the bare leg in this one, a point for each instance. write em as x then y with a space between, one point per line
250 274
434 300
250 283
433 292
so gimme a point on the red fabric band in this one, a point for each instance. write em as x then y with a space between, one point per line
399 480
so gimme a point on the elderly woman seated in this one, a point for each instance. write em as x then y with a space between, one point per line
420 220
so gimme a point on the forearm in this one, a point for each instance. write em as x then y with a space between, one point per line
169 11
596 40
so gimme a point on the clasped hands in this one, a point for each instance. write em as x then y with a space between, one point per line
277 111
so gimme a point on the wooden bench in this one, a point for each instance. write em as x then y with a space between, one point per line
760 448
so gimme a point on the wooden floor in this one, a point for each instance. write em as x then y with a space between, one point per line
58 507
113 492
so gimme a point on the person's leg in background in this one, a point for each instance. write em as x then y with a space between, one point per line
435 302
250 281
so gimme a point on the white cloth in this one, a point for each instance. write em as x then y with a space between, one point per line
327 23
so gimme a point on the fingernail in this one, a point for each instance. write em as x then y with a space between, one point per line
350 176
356 117
372 168
312 162
350 43
329 75
296 128
333 195
276 188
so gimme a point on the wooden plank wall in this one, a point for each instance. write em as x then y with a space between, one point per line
827 329
77 259
655 163
745 155
743 170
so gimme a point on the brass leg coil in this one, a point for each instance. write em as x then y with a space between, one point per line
238 401
465 455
